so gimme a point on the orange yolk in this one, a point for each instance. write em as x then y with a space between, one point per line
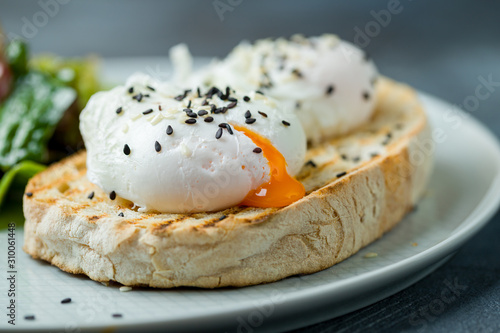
282 189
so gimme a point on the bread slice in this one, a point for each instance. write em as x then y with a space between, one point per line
358 187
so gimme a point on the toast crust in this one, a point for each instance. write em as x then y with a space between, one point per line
386 172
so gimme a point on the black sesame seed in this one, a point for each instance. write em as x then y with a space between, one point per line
29 317
126 150
198 91
145 95
387 139
217 111
218 134
374 154
257 150
181 97
170 130
159 107
224 96
286 123
297 72
205 102
330 89
356 159
263 114
246 99
117 315
222 217
298 105
112 195
189 104
212 91
138 97
341 174
191 114
130 90
148 111
29 194
66 300
187 110
229 130
202 113
190 121
250 120
209 119
121 214
119 110
259 92
224 110
248 114
344 157
151 88
91 195
232 99
157 146
226 126
366 96
311 163
231 105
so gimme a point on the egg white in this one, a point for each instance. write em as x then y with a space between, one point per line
194 171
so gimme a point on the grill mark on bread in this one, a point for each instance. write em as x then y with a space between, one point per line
94 218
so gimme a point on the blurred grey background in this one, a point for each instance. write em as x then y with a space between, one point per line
439 47
450 49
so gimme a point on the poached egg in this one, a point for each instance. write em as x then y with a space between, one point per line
328 82
183 151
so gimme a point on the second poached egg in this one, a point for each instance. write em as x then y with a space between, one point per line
329 83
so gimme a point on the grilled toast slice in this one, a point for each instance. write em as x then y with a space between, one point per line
358 187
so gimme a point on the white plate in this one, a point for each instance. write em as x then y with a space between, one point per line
463 194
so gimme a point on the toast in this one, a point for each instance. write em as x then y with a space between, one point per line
358 187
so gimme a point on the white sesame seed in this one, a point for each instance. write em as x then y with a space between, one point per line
185 150
125 289
157 118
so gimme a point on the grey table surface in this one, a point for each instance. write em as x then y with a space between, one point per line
445 48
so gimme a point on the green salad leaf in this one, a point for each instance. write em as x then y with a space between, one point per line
17 57
78 73
29 116
20 174
39 116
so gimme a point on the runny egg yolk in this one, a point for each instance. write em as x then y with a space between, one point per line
282 189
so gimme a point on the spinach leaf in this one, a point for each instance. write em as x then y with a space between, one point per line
29 117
